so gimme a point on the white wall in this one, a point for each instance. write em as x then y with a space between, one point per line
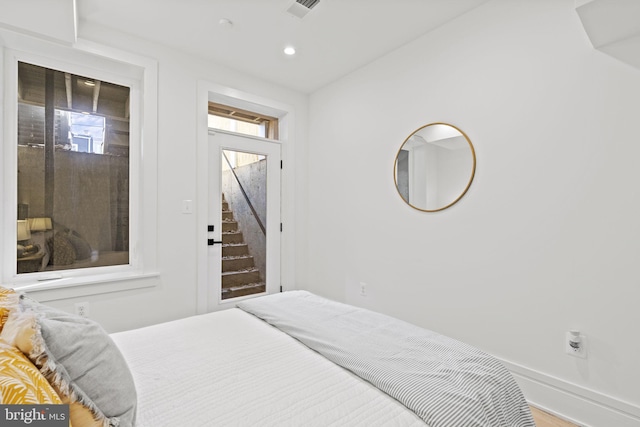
177 117
175 295
58 23
547 239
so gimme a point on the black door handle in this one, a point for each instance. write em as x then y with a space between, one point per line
211 242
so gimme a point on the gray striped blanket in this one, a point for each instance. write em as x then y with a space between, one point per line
445 382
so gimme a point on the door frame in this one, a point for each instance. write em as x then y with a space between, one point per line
207 91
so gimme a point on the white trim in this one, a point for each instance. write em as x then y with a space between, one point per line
141 75
65 288
235 98
574 403
207 91
213 131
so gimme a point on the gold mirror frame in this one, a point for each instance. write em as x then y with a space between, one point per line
468 184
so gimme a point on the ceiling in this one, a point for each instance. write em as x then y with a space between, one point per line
72 92
335 38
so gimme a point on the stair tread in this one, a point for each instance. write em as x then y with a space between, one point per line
245 286
234 257
239 291
243 271
241 276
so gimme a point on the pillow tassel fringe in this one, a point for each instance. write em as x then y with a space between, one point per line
40 357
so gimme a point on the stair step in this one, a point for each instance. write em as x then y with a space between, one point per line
236 249
229 226
239 275
238 278
239 291
237 263
232 237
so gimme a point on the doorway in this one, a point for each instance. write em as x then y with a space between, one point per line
243 216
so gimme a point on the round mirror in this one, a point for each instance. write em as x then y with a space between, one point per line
434 167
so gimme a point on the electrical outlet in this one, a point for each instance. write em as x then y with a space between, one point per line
363 289
575 344
82 309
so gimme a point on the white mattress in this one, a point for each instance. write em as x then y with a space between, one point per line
229 368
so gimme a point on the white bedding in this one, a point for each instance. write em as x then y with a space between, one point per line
445 382
229 368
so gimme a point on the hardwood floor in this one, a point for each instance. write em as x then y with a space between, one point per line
544 419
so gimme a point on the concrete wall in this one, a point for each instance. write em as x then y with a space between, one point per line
89 189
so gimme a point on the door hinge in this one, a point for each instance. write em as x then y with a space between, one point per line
280 288
280 164
281 227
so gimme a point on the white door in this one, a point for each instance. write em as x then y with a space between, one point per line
244 217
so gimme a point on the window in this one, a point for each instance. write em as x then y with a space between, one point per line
58 148
73 171
245 122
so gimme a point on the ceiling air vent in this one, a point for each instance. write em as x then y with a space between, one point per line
300 8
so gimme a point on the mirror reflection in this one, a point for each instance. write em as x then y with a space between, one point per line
434 167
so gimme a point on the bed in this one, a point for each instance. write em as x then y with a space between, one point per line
290 359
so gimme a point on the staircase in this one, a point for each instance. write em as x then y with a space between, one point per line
239 275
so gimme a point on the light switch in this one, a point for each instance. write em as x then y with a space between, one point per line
187 206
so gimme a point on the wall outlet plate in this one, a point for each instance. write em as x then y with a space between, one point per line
363 289
82 309
579 351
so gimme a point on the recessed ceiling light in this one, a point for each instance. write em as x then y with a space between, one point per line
289 50
90 83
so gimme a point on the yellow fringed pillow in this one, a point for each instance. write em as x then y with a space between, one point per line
20 381
74 355
8 301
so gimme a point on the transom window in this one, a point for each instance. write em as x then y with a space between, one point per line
233 119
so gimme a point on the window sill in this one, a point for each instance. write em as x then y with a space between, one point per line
55 287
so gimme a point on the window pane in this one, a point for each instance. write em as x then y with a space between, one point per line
232 125
73 171
226 117
244 215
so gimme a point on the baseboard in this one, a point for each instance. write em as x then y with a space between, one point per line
579 405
